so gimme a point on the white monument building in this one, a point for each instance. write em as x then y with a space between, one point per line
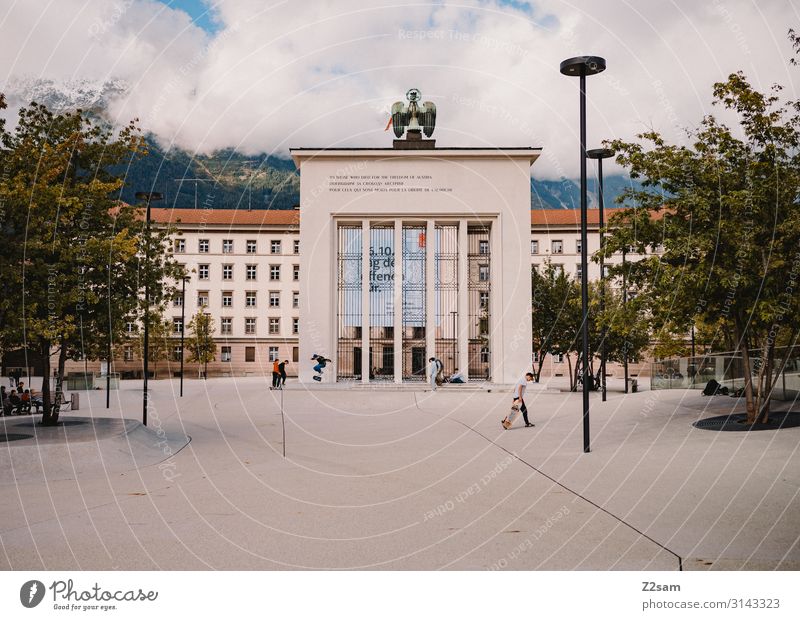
414 252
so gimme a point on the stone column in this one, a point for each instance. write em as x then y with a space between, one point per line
365 264
398 301
430 293
498 370
463 299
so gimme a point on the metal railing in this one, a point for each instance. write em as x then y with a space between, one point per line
727 369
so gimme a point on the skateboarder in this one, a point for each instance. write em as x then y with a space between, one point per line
519 397
321 363
276 375
282 369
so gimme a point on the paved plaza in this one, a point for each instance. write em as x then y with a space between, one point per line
397 479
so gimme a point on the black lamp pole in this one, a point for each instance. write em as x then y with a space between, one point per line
108 351
183 325
624 304
581 66
147 197
600 155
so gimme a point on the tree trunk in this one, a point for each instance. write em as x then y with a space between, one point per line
572 386
765 386
748 375
759 392
782 366
62 360
46 400
539 367
51 413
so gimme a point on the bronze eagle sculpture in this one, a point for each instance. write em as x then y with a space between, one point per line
414 116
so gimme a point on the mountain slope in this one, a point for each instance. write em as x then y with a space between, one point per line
228 179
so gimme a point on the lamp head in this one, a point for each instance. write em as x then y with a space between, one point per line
583 65
599 153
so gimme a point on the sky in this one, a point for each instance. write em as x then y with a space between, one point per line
268 75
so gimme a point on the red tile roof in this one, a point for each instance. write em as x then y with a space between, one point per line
261 217
567 217
226 217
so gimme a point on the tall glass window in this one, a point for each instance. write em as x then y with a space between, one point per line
446 296
381 302
348 353
478 290
413 292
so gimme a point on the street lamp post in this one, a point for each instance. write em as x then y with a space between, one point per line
108 373
600 155
624 305
581 66
183 325
148 197
108 349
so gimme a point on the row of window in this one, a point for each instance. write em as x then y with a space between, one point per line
226 353
251 246
251 272
556 246
250 299
558 358
226 325
578 270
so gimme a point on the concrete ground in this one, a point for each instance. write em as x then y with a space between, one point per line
384 479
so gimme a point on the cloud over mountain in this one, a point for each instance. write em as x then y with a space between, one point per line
324 73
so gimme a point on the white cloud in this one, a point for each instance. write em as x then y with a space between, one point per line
324 73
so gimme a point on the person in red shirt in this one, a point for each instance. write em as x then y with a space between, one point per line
276 376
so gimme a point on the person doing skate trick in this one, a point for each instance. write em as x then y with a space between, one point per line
321 362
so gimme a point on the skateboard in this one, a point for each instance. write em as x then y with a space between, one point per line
317 377
511 417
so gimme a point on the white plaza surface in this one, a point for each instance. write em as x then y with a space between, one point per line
403 479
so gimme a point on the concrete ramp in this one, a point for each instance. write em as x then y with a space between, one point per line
79 446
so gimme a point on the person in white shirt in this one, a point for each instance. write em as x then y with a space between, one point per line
433 370
519 395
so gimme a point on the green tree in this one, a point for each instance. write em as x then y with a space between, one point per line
200 343
70 251
626 329
556 314
726 213
557 318
158 341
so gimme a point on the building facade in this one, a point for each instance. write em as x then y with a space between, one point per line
248 269
243 269
410 254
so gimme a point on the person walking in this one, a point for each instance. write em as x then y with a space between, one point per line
519 395
276 375
282 370
439 372
433 372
